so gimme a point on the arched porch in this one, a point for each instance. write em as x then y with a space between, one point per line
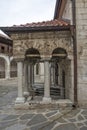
57 76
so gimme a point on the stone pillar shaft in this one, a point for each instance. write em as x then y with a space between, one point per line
20 98
7 71
26 79
20 79
46 82
32 74
30 80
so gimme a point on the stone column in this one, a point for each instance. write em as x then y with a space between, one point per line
32 74
72 81
7 70
26 93
30 80
41 74
20 98
52 74
46 97
28 76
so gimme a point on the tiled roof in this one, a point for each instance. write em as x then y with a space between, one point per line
56 22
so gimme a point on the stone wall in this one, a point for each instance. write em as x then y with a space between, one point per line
67 14
81 30
44 42
81 25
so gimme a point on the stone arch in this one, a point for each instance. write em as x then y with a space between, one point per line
7 65
11 58
59 53
6 58
32 54
33 44
66 47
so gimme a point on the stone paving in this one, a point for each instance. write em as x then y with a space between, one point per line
40 119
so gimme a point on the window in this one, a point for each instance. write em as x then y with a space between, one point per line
2 49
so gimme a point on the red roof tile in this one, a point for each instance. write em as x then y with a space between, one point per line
56 22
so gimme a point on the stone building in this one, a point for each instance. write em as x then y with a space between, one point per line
8 67
51 55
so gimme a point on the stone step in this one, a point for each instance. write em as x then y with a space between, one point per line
53 91
54 104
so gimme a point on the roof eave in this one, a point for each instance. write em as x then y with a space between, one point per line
33 29
6 41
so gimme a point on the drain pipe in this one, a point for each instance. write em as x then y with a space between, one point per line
74 52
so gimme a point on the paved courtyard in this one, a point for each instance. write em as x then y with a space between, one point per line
40 119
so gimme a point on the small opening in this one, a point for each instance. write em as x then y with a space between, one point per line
2 49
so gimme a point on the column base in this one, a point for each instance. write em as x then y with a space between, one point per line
7 77
20 100
46 99
26 94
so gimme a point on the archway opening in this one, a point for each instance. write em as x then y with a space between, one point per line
32 59
2 67
61 72
13 69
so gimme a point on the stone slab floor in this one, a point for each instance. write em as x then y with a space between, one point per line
40 119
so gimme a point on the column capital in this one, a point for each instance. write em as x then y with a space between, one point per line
19 60
46 57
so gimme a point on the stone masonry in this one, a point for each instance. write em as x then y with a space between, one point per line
81 32
46 43
81 26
